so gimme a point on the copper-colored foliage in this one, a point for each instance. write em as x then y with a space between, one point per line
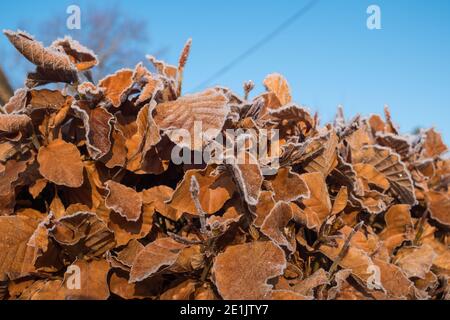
83 58
275 224
60 162
206 110
242 271
288 186
15 256
93 282
117 86
277 84
123 200
92 194
160 253
215 190
52 64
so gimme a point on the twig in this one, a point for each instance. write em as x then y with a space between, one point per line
344 250
420 227
195 191
182 63
183 240
206 270
248 86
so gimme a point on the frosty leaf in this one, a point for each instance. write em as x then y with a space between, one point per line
288 186
263 207
146 137
163 68
292 121
340 278
17 102
123 200
124 230
12 123
264 103
306 286
324 161
119 285
439 206
318 205
80 56
156 198
183 291
356 259
433 145
16 257
222 223
93 281
91 91
416 262
41 77
124 259
389 164
117 86
441 263
371 175
394 280
205 112
215 190
150 84
241 272
97 123
83 233
60 162
46 99
340 202
53 65
161 253
248 176
275 223
9 179
399 226
399 144
277 84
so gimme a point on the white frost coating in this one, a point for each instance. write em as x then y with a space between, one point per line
115 73
289 106
405 169
74 45
250 199
22 33
88 88
94 151
50 50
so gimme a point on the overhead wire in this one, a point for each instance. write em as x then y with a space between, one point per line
255 47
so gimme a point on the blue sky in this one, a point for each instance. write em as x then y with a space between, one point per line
328 56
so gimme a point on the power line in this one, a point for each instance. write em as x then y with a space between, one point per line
311 4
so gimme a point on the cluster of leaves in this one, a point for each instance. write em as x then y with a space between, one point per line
355 211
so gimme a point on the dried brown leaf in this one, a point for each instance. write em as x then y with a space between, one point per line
60 162
242 271
159 254
123 200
